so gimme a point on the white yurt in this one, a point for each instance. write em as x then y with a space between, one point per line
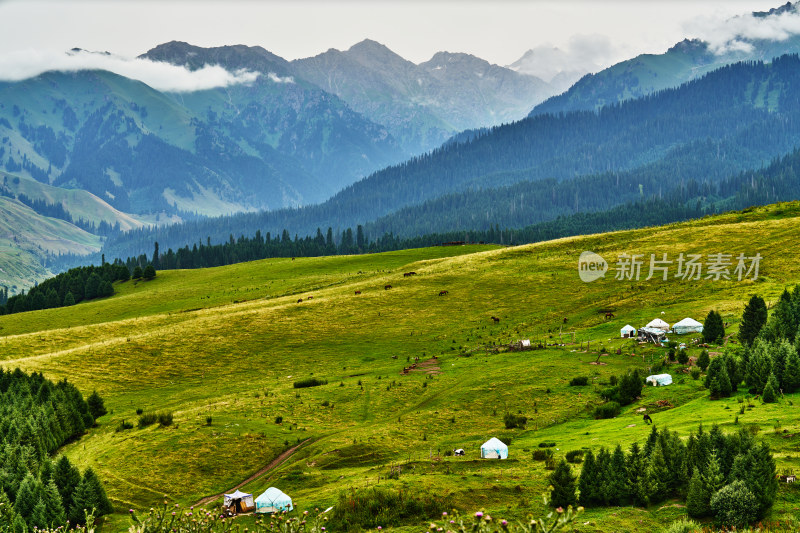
627 331
658 324
494 449
273 500
659 380
687 325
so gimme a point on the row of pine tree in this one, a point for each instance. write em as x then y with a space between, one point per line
702 471
37 417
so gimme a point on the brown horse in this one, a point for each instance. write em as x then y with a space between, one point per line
300 301
496 319
407 274
310 297
442 293
358 292
387 287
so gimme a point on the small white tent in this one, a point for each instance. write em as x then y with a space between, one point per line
627 331
273 500
659 380
687 325
239 502
494 449
658 324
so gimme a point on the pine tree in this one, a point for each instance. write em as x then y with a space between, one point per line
635 466
101 502
759 366
66 478
698 498
149 272
563 483
713 479
96 405
703 360
769 395
27 496
137 272
791 373
38 518
69 299
588 481
713 328
603 462
717 380
754 318
657 473
55 507
617 480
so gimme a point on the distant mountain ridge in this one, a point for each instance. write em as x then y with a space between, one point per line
423 105
648 73
738 117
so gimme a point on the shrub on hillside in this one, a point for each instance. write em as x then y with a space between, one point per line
579 381
147 419
309 382
542 454
514 421
164 419
734 505
369 508
574 456
683 357
695 373
607 410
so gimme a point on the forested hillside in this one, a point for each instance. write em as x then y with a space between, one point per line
687 60
37 417
739 117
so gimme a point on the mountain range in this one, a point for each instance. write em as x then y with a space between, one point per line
365 137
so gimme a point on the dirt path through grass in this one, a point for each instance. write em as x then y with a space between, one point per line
275 462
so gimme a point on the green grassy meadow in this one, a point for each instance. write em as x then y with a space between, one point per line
229 342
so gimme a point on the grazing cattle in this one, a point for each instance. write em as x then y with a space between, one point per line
358 292
387 287
565 320
407 274
310 297
300 301
609 315
496 319
647 419
442 293
292 258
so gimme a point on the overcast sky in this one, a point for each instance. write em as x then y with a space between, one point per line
498 31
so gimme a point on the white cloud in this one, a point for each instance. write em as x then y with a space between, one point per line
24 64
733 35
277 79
581 54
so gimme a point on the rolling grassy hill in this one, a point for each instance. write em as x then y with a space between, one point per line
229 343
26 239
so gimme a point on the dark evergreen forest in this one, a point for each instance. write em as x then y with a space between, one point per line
37 417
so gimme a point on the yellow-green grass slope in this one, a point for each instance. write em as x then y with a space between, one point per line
228 343
26 240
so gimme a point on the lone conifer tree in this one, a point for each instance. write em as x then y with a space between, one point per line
563 482
753 319
713 329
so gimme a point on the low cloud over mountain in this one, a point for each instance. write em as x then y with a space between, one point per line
21 65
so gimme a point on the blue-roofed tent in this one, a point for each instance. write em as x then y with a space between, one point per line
273 500
494 449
